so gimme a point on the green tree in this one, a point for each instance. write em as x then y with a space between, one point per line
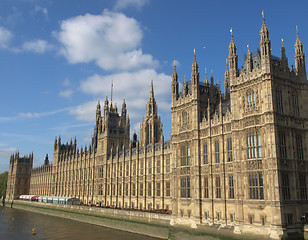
3 182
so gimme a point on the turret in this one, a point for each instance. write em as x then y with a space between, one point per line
175 84
249 60
300 58
284 60
195 77
226 82
124 110
233 58
206 81
265 46
46 161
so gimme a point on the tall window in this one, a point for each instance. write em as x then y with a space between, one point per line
251 99
254 145
205 154
134 189
126 189
279 103
141 167
121 169
100 189
185 187
299 147
285 186
158 166
231 187
217 158
141 189
302 185
295 104
101 172
167 188
167 164
149 189
206 187
127 169
185 155
282 145
149 166
184 118
218 188
230 155
134 168
120 189
158 189
256 186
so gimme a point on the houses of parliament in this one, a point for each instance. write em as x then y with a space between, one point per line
235 159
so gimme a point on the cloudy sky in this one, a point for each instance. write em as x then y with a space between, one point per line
57 58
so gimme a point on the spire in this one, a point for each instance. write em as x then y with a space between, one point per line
98 108
226 82
195 73
174 74
212 78
175 84
151 105
233 63
283 59
206 81
300 57
124 111
264 30
249 61
265 46
152 90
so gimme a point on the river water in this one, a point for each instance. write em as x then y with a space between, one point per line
54 228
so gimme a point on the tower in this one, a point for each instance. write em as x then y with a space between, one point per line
113 130
265 46
19 175
151 126
233 58
175 85
300 58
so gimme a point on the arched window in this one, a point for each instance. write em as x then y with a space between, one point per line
184 118
251 99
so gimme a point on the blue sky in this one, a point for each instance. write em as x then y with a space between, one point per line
58 57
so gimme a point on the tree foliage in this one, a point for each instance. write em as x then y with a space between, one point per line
3 182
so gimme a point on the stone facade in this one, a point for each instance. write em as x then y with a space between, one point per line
237 159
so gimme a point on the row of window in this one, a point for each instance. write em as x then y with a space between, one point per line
126 169
299 150
255 186
111 189
293 102
253 150
286 191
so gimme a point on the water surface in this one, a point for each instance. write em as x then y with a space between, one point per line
51 228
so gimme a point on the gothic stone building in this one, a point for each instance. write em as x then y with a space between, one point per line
236 159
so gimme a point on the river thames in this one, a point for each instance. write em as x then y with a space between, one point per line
51 228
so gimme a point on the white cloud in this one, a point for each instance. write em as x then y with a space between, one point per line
43 114
29 115
37 46
66 82
112 40
121 4
134 86
6 152
66 93
85 112
44 11
5 37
